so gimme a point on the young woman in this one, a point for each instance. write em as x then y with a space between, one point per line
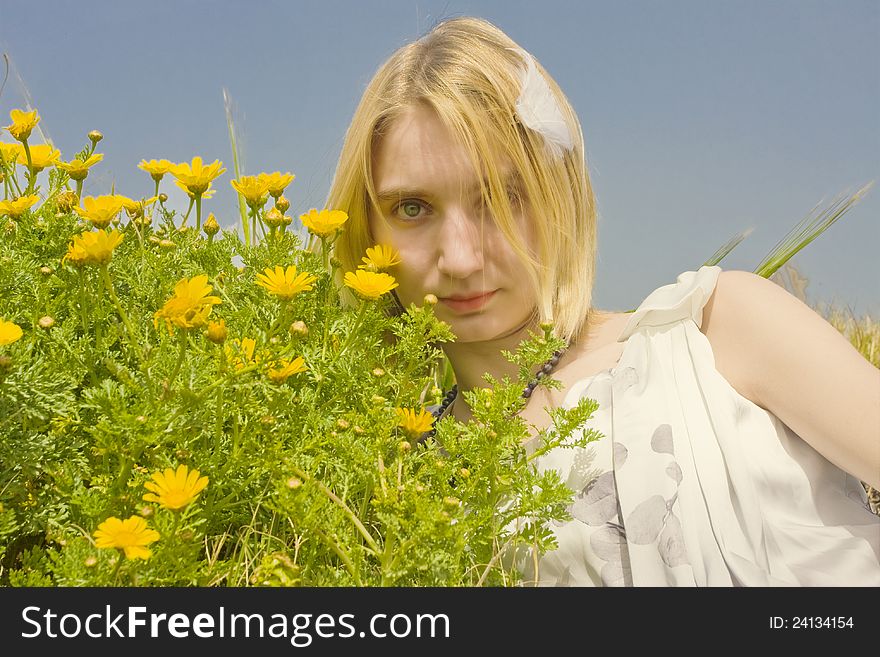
737 423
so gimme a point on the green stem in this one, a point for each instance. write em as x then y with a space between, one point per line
85 324
371 542
115 574
355 329
132 335
181 352
188 210
198 212
79 187
32 175
218 420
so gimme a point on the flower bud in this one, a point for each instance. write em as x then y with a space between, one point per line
378 371
359 430
286 220
163 197
294 482
5 364
465 473
90 562
46 322
167 244
67 201
451 502
211 226
430 300
217 331
273 217
95 136
404 446
145 511
378 400
282 204
342 423
299 328
46 271
152 239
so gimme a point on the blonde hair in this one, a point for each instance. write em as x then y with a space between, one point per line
468 71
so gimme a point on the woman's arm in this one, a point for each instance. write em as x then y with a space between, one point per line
784 357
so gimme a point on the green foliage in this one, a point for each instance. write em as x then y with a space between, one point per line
312 480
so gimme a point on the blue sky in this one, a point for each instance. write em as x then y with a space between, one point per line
702 118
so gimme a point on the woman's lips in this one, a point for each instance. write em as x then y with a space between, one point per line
464 305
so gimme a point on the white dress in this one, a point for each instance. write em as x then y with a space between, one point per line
693 484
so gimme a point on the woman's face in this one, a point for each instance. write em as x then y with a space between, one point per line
432 212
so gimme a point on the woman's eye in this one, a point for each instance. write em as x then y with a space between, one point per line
409 209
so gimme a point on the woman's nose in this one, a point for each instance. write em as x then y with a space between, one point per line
460 244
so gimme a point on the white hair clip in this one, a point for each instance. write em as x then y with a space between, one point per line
539 110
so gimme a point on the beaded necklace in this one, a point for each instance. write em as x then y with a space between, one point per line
546 368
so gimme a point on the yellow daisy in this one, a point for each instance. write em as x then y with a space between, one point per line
253 189
413 423
9 332
79 169
368 284
42 156
325 222
196 177
131 536
93 248
101 210
18 207
156 168
175 490
276 182
190 306
22 123
9 153
287 368
379 257
285 283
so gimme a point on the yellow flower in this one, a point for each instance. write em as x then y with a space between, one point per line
325 222
131 536
101 210
368 284
17 207
285 283
276 182
175 490
380 257
253 189
208 193
211 227
190 306
93 248
9 153
79 169
197 177
287 369
22 123
156 168
42 156
414 424
9 332
217 332
240 352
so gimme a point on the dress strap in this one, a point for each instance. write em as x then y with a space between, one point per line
674 302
